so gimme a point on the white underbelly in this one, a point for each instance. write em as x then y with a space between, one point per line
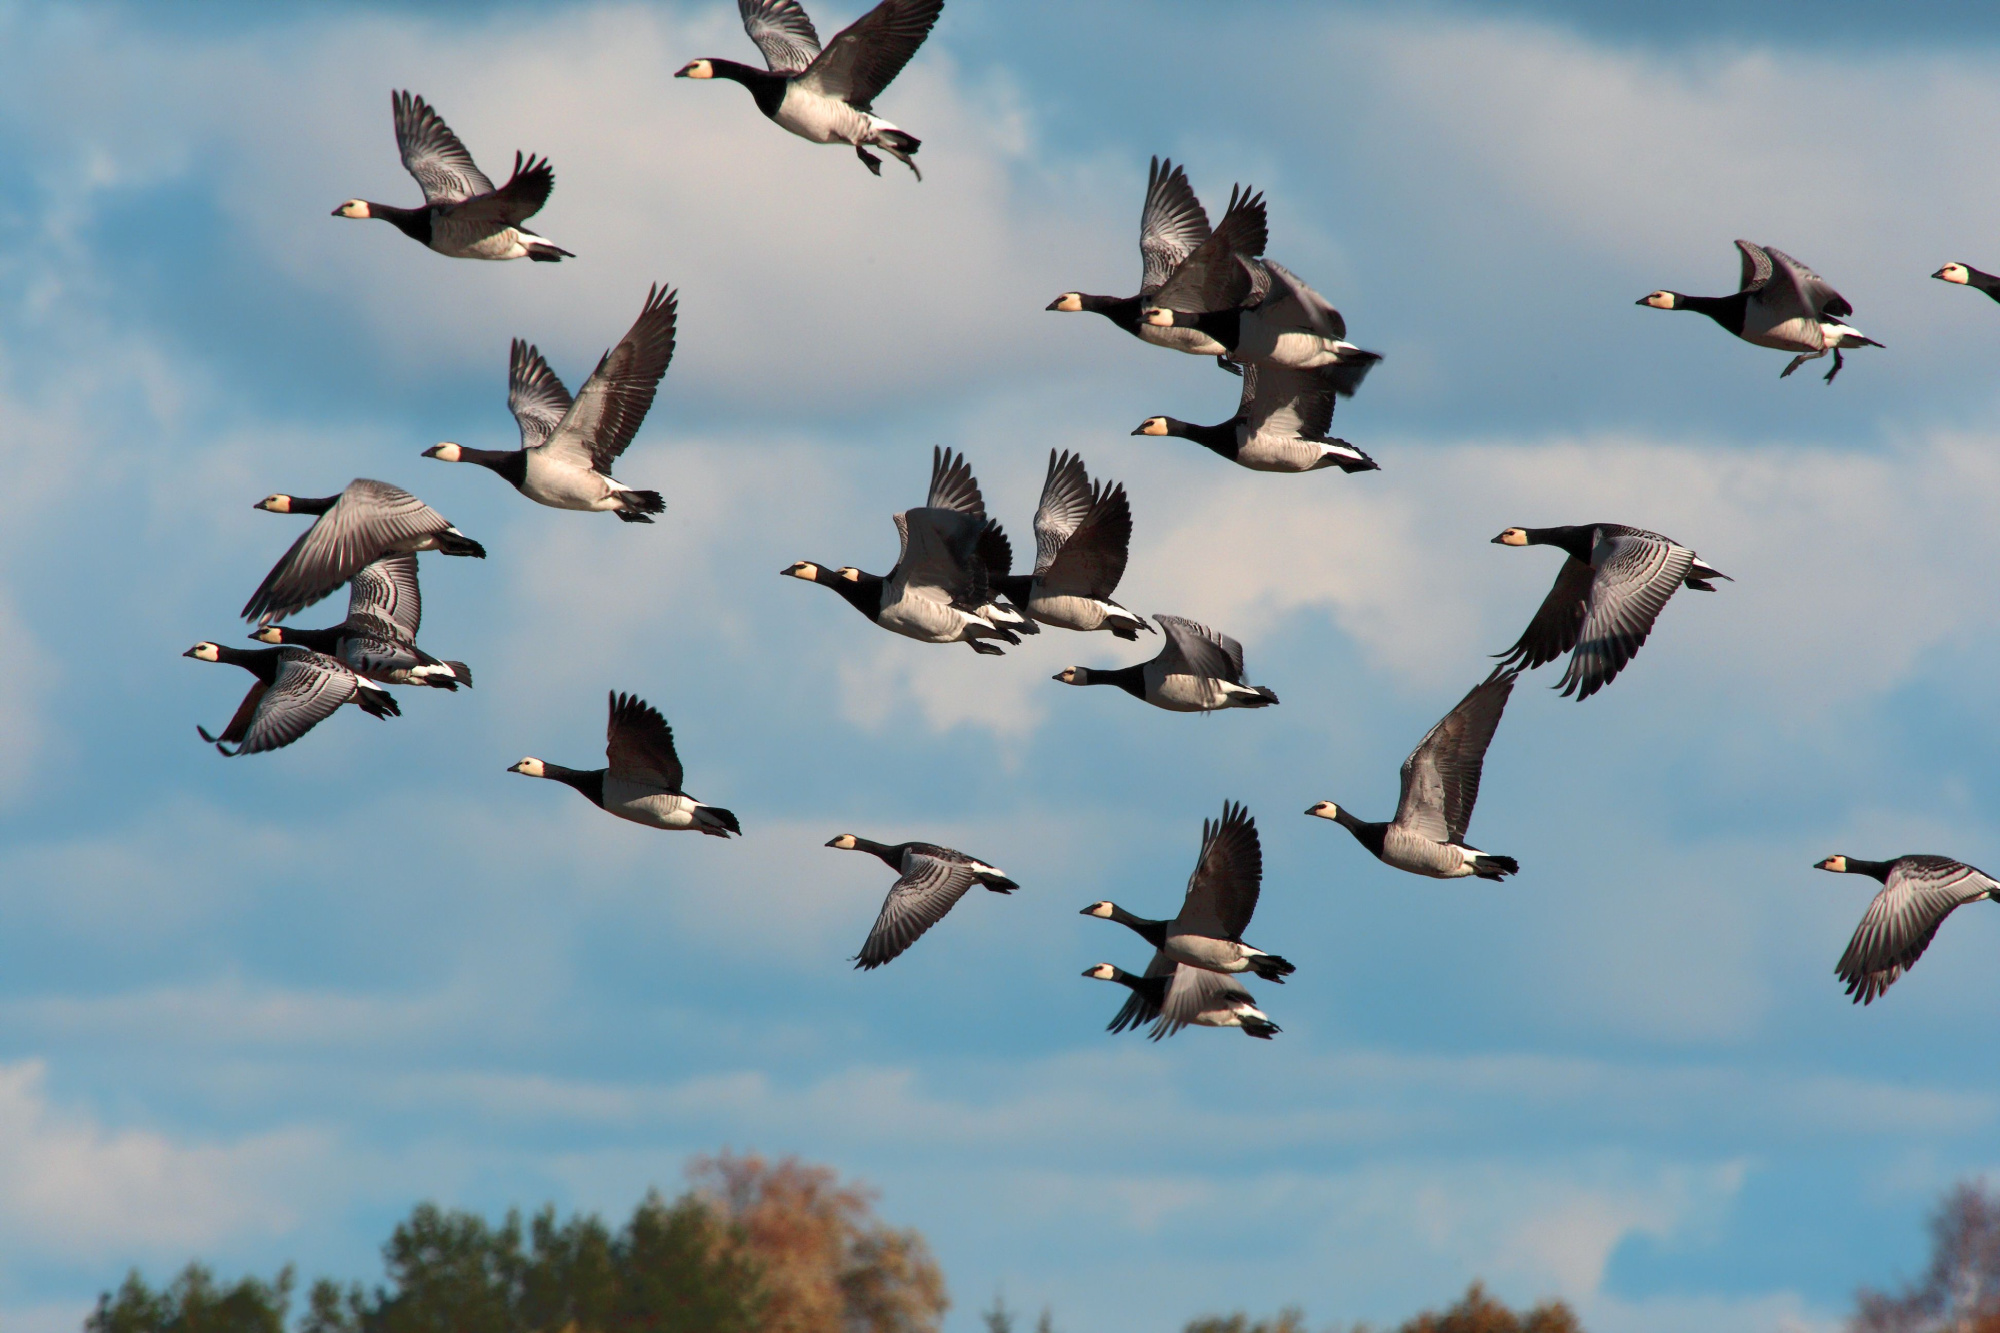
465 242
1069 612
1203 951
1797 334
1183 693
924 619
647 805
820 119
1192 341
561 487
1268 452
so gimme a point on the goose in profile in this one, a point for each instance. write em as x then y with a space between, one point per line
641 779
1171 996
378 640
568 446
1221 896
941 587
1281 421
296 689
929 881
1291 325
1440 785
1198 671
1185 265
352 530
1605 598
463 215
1779 303
828 96
1082 533
1917 894
1965 275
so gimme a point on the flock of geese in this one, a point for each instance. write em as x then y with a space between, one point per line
1206 291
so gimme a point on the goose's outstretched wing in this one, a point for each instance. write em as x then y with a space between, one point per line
1197 650
1192 992
1143 1004
1229 874
1557 621
369 518
1898 926
782 32
615 399
307 689
433 154
1092 559
638 744
1441 776
1171 225
535 395
952 484
1633 575
1222 272
865 56
930 886
386 590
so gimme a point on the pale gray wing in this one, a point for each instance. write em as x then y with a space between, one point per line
1092 560
387 590
1143 1005
868 53
1171 225
1192 992
1221 273
1441 776
638 744
433 154
940 550
1557 621
1197 650
374 649
929 888
1903 918
782 32
1633 574
1289 402
535 395
369 518
1815 297
1756 268
1292 302
615 399
307 689
1065 503
1222 891
952 484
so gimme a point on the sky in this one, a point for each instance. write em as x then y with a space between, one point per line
253 1010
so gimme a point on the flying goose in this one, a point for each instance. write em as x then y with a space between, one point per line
1221 896
1918 893
941 587
1281 421
1780 303
354 529
568 446
641 779
295 690
1440 785
828 96
1082 531
930 880
1198 671
1605 598
1172 995
1186 267
463 215
1291 325
1968 276
378 640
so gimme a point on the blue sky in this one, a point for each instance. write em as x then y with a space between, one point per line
254 1010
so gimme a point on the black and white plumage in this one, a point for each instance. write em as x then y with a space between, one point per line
296 689
1290 325
463 215
1083 531
568 446
1440 786
1778 303
1605 598
930 881
1172 996
1281 422
378 640
1917 894
942 588
641 779
828 96
1199 670
1965 275
1185 266
1216 909
365 522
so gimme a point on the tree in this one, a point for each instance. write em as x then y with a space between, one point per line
1960 1292
1289 1320
1476 1312
194 1303
826 1264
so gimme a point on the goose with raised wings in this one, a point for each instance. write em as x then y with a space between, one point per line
1778 303
352 530
929 882
1199 670
378 640
296 689
641 778
1917 894
1281 421
1083 531
1194 995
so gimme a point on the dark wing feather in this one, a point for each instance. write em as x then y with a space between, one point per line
868 53
1441 776
433 154
535 395
1092 560
1197 650
369 519
1222 892
996 553
306 690
1815 296
638 744
953 485
615 399
386 590
515 202
1065 503
929 888
1171 225
1633 575
782 32
1557 622
1218 275
1921 891
1143 1005
1756 266
1192 992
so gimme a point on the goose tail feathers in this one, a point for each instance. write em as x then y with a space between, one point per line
714 820
638 506
1271 967
453 542
1488 866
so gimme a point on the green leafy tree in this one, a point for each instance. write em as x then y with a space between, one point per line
194 1302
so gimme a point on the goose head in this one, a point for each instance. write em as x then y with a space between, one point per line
530 768
1156 426
845 842
1512 537
1102 910
1662 300
1075 675
205 652
802 569
1101 972
446 452
1837 864
270 634
1067 301
276 504
353 208
1324 810
1953 273
696 69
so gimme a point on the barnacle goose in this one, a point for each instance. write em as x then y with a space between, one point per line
929 881
378 640
1779 303
1198 671
1194 995
354 529
296 689
1917 894
641 779
1083 531
1281 421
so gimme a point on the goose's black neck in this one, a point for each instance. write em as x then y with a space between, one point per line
863 593
511 464
309 505
414 223
259 662
1220 437
1225 326
1016 588
1728 311
768 88
1130 679
588 781
1985 282
319 640
1367 834
1153 932
1120 310
1873 869
1574 538
890 856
